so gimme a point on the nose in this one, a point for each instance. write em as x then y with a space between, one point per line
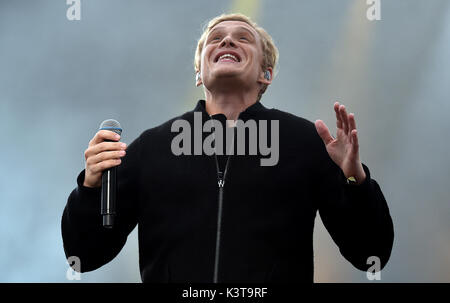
227 41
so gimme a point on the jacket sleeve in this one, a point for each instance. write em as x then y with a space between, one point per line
356 216
81 225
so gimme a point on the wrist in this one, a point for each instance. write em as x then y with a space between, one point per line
357 177
87 182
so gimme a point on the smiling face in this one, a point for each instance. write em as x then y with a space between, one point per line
232 54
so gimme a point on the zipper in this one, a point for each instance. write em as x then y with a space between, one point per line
221 183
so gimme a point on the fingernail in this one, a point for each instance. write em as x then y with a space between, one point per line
116 136
123 145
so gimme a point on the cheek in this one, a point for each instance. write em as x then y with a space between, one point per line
204 60
255 62
206 53
254 57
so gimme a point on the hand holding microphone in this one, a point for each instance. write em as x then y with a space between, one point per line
102 156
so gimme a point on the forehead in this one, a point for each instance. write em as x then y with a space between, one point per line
234 25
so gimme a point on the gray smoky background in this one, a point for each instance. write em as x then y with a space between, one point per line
133 61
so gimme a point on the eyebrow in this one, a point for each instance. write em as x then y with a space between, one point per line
240 27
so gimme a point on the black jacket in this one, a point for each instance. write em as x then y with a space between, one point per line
263 230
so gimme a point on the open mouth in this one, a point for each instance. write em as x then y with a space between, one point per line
227 57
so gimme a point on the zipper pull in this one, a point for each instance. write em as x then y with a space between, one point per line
220 180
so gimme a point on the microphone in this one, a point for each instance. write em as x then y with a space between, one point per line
109 180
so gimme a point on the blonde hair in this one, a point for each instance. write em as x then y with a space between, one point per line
269 50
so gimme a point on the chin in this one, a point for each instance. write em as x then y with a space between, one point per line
226 71
225 79
228 75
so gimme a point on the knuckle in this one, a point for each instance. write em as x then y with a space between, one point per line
95 170
112 162
101 134
91 169
102 166
108 146
106 134
103 156
118 146
101 146
110 155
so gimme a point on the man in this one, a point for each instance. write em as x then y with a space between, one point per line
227 218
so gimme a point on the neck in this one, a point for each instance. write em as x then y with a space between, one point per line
231 104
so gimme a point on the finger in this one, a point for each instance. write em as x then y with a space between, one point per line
323 132
355 144
103 135
351 122
103 156
109 146
344 118
104 146
101 166
338 116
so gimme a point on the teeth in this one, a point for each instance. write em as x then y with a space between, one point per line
229 56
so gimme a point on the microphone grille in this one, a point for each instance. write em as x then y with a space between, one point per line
111 125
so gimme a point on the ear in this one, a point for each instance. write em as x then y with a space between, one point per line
262 79
198 79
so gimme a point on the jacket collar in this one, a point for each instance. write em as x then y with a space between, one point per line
249 111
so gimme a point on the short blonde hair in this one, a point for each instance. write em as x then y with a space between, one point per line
269 50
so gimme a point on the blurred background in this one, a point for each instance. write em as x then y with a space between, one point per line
133 61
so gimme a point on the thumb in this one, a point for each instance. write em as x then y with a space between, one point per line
323 132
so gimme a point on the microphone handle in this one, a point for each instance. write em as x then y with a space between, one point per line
108 204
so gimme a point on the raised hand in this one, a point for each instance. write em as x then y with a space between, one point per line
344 149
